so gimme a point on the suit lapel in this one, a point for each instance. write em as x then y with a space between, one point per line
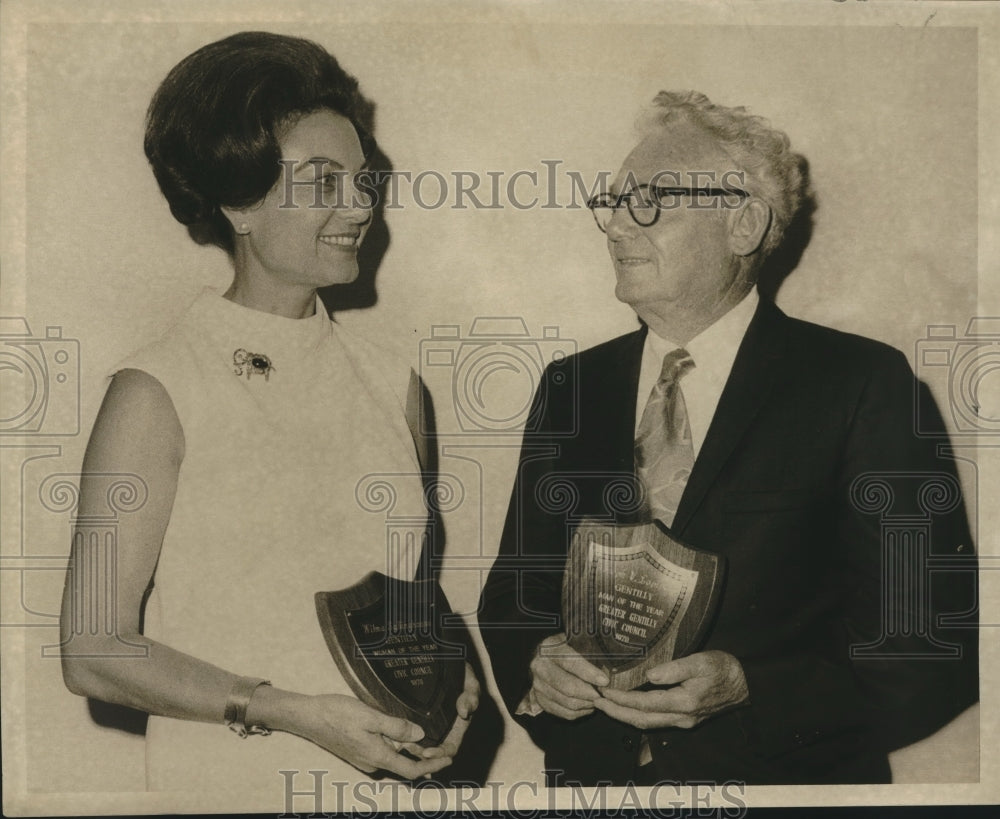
750 381
615 403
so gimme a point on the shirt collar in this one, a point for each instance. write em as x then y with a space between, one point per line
713 351
714 348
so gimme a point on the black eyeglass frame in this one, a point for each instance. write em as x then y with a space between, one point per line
613 203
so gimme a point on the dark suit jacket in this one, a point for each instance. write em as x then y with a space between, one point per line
809 470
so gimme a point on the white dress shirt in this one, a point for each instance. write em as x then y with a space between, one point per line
713 351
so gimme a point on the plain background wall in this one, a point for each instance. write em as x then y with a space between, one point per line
887 115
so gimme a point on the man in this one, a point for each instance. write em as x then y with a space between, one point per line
763 439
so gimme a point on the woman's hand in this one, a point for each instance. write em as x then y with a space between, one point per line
367 739
466 705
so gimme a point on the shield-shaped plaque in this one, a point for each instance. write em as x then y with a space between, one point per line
634 597
386 636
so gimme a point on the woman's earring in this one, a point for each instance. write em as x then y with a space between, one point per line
243 229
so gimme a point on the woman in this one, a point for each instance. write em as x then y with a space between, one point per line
250 424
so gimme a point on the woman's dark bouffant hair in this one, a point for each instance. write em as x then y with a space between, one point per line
213 126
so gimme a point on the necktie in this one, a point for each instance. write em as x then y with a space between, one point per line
663 451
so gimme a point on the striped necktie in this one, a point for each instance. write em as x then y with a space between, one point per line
664 454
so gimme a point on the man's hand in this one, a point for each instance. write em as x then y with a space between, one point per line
562 682
703 684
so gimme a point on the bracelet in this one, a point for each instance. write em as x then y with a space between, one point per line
235 715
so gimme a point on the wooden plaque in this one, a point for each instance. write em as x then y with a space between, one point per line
385 636
634 597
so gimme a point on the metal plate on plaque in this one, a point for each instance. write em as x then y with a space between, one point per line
635 597
386 637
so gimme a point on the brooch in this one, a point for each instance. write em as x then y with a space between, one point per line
252 363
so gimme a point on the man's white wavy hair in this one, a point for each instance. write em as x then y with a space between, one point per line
774 173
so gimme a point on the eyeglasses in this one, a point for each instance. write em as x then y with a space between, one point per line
644 203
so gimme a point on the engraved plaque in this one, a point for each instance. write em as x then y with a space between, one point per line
634 597
385 636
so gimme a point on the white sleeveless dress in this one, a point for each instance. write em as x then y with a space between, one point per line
287 481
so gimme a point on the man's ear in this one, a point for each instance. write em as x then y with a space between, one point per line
749 227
